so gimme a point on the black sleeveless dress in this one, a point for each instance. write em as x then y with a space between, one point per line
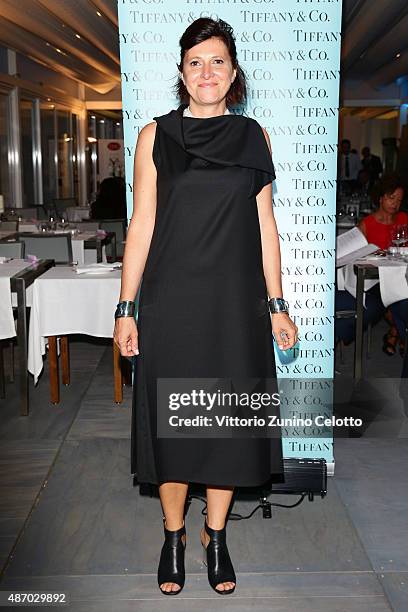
203 301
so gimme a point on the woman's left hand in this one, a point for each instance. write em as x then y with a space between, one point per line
284 330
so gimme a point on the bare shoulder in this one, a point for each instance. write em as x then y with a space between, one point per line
362 227
144 147
147 134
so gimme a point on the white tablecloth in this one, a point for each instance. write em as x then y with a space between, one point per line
77 213
82 255
393 283
64 302
347 279
392 279
28 227
7 270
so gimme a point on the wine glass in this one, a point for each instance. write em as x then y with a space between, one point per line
398 235
63 225
404 234
398 238
403 250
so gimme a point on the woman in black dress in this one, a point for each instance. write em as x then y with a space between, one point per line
204 242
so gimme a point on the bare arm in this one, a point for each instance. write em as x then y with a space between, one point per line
271 257
271 260
362 227
138 237
141 225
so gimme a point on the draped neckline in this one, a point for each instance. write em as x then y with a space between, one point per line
230 140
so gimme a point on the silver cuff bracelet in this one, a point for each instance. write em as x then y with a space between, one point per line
278 305
125 309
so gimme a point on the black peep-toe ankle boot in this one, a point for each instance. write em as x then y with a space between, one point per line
171 564
216 558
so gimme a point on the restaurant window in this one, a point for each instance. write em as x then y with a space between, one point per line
119 128
4 141
92 157
48 154
65 176
26 128
74 134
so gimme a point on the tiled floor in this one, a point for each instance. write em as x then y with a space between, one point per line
72 521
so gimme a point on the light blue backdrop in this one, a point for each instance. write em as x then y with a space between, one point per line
290 50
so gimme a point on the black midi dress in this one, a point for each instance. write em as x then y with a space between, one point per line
203 308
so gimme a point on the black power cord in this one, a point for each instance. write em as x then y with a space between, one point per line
265 505
304 476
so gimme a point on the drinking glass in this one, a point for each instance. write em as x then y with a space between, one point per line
398 236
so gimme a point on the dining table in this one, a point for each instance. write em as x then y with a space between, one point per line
77 213
392 275
16 279
66 300
97 241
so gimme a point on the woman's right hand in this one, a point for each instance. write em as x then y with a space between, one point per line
125 336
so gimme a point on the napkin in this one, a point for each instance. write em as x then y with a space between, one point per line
350 281
393 284
7 325
98 268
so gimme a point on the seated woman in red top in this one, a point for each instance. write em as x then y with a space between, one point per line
378 228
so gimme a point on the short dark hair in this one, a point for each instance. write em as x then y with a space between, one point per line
346 141
199 30
389 183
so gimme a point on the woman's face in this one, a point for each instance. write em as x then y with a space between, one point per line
391 202
208 71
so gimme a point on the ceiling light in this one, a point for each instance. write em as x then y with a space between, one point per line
101 120
91 139
58 50
77 35
398 55
99 14
93 117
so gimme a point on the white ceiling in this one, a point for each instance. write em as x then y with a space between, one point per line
374 32
70 37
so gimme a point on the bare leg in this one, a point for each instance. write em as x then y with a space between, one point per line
218 502
173 498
